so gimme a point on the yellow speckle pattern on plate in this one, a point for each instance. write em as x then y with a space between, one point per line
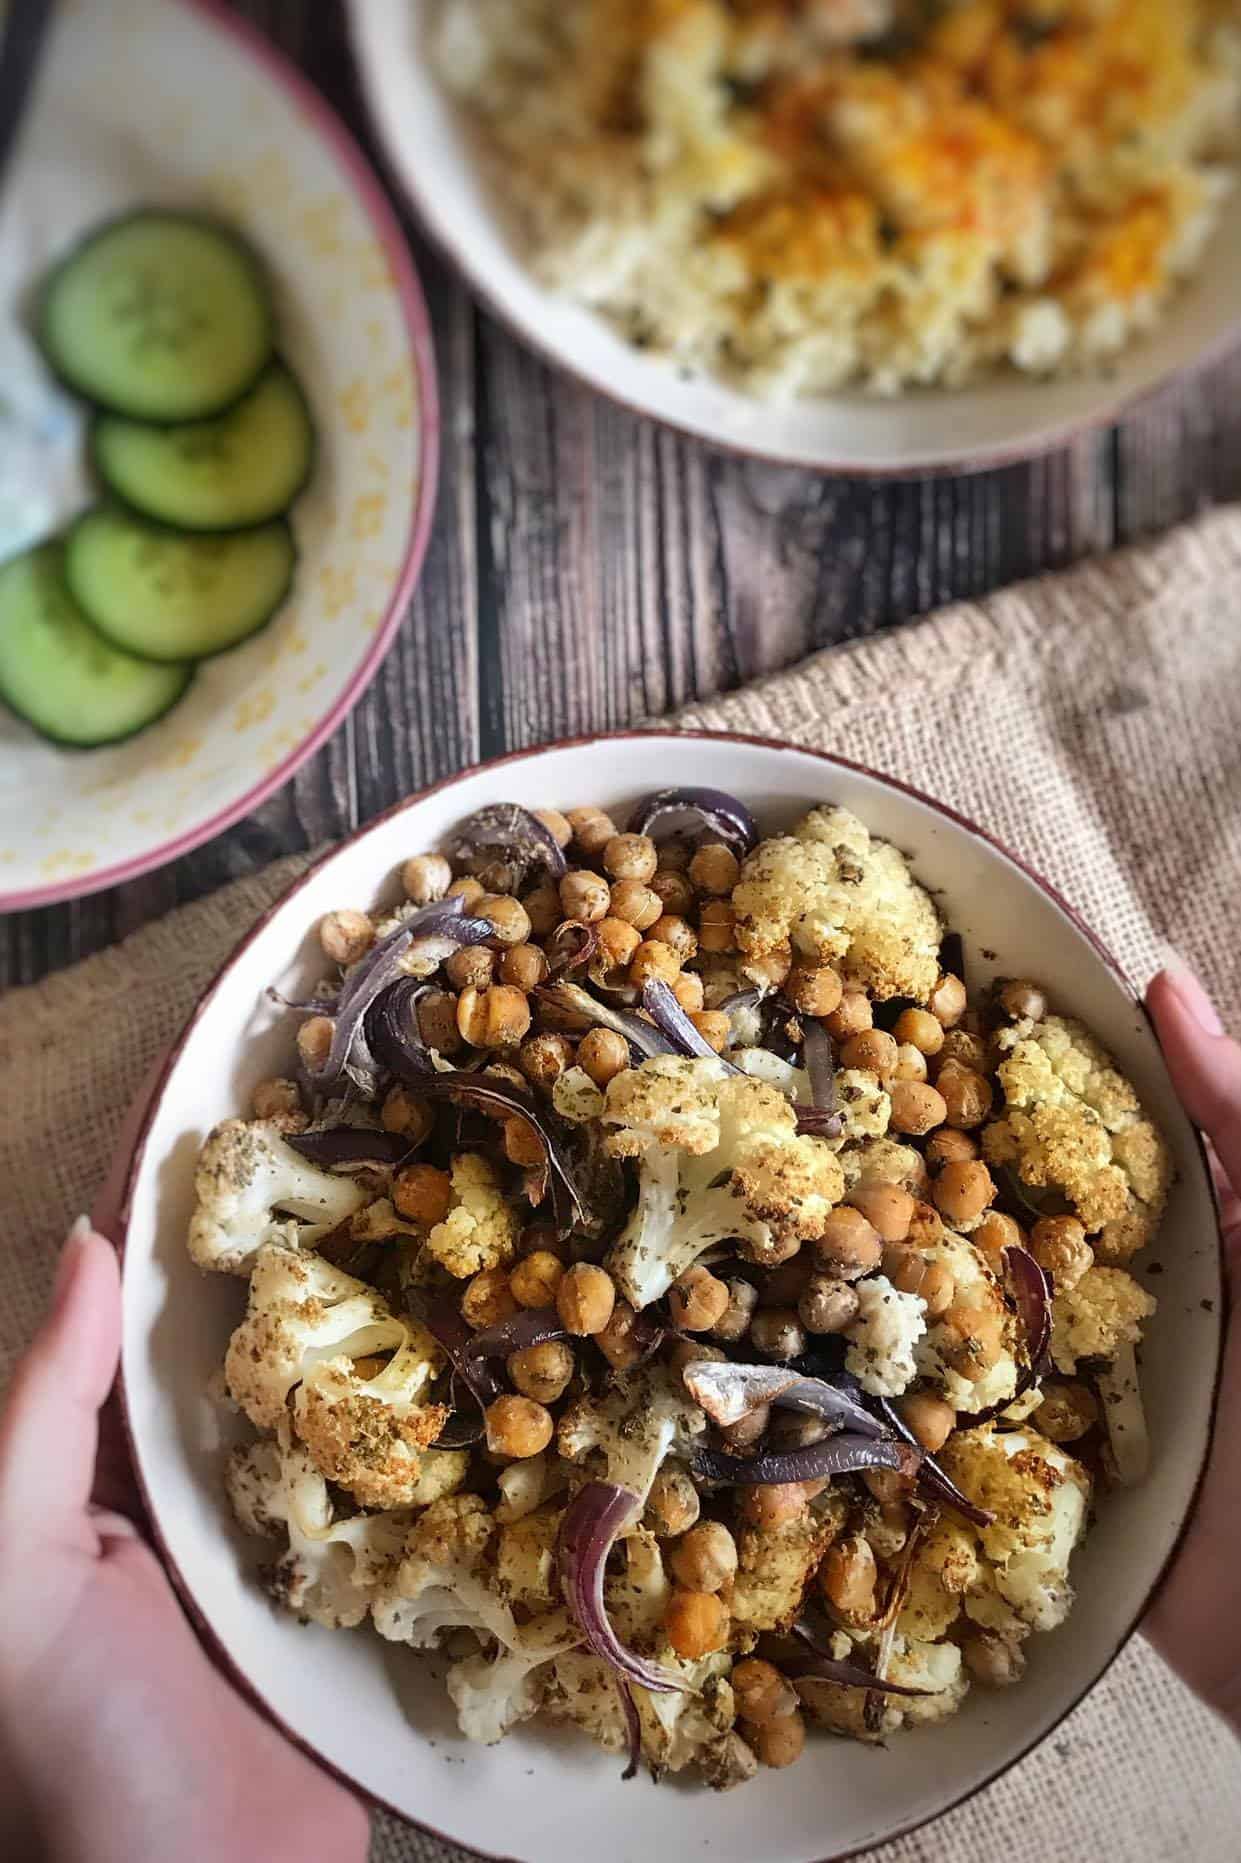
212 124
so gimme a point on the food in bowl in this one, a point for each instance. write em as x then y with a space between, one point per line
671 1296
798 195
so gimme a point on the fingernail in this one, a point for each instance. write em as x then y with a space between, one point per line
70 1256
1191 995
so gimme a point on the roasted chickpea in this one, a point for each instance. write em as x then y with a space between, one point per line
544 1058
696 1300
963 1190
966 1095
971 1339
437 1021
780 1742
346 936
964 1047
496 1017
947 1000
714 1026
542 1371
992 1659
314 1041
468 889
850 1245
524 966
542 905
776 1332
746 1431
826 1305
517 1427
768 971
470 968
696 1622
653 960
536 1279
275 1099
813 989
584 896
717 930
773 1503
761 1693
630 857
1067 1411
714 868
488 1299
851 1016
603 1054
994 1234
949 1146
847 1578
585 1298
636 904
426 878
909 1270
916 1108
921 1028
675 853
678 934
674 891
910 1063
795 1429
672 1506
405 1113
592 830
873 1050
618 941
706 1559
734 1322
615 1339
689 992
507 916
1059 1246
422 1192
929 1417
1023 1001
888 1208
558 826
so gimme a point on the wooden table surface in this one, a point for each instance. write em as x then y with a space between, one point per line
588 568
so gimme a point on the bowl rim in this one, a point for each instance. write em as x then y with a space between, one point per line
1117 405
248 1688
359 177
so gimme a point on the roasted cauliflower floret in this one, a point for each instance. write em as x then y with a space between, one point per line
883 1337
246 1177
943 1569
330 1570
1104 1311
1073 1124
840 897
481 1228
301 1310
632 1427
719 1156
526 1559
774 1569
494 1693
935 1667
883 1161
1039 1496
945 1353
370 1434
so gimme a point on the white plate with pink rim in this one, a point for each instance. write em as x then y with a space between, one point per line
176 102
378 1715
992 423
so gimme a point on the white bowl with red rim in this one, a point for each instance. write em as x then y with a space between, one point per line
378 1715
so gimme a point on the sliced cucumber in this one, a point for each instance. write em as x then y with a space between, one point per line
168 595
160 316
59 674
245 467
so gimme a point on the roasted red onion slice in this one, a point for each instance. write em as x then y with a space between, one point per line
441 1317
350 1145
846 1674
633 1728
722 815
638 1032
395 1048
1032 1291
820 1119
532 1326
571 945
667 1014
598 1513
844 1454
729 1391
505 834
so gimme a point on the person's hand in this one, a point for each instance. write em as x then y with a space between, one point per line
119 1742
1194 1623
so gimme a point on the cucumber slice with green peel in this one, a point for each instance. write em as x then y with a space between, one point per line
174 596
61 676
245 467
159 315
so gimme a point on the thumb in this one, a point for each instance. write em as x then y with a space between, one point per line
49 1430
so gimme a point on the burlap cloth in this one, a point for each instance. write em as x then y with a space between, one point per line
1092 720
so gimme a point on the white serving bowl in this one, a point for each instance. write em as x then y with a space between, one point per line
179 103
993 423
372 1710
